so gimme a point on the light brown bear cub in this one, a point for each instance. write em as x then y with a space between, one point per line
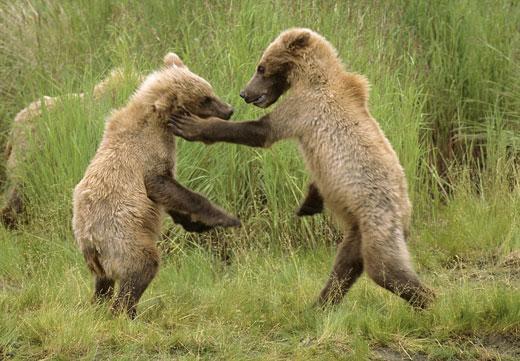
355 171
130 182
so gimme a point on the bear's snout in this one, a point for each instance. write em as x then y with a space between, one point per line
229 113
225 111
249 98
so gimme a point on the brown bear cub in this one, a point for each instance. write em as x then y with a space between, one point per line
355 171
130 182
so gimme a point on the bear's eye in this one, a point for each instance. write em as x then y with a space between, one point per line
206 101
260 69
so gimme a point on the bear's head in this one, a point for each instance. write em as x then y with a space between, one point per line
176 89
292 55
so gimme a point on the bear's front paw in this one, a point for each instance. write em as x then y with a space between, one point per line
196 227
231 221
186 125
220 218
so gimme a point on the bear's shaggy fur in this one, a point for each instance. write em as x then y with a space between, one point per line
119 203
355 170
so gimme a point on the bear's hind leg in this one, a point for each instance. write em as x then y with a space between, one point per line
104 288
387 262
11 214
141 271
347 268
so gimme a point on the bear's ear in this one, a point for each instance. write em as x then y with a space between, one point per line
172 59
164 104
299 41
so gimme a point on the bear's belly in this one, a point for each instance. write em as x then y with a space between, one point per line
343 181
119 215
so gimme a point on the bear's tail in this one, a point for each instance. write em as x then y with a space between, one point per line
92 258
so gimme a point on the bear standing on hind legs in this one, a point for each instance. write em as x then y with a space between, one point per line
130 183
355 171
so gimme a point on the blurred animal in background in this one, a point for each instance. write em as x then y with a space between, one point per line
24 132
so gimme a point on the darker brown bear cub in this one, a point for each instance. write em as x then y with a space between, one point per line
130 182
355 171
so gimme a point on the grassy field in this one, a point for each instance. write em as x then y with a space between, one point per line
445 90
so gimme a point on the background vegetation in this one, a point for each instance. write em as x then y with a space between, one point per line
445 89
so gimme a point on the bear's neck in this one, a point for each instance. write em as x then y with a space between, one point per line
331 77
317 73
131 117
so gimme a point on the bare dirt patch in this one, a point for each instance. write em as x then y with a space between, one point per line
498 347
383 353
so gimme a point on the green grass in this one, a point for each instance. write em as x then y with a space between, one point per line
444 90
